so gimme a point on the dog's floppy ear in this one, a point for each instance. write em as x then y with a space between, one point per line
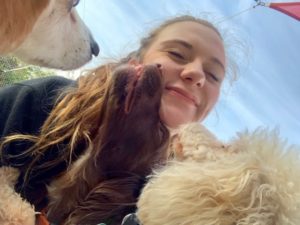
37 6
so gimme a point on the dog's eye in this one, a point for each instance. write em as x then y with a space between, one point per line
75 2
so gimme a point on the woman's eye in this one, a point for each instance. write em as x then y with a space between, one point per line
75 2
176 55
213 76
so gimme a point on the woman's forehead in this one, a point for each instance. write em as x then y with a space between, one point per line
186 29
199 36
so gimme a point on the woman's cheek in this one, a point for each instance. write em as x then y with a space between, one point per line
174 114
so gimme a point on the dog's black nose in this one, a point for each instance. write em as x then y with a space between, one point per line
95 48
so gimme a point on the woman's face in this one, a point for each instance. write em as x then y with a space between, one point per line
192 59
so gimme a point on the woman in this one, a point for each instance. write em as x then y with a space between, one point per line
62 118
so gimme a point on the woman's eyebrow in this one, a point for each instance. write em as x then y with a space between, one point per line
180 42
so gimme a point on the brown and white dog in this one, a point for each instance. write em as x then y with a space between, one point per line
48 33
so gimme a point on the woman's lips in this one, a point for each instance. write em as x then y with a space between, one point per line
183 94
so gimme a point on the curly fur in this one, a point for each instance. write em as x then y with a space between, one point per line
253 180
13 209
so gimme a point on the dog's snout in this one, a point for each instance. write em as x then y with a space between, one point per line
95 48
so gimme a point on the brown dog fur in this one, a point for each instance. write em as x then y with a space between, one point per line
14 28
104 183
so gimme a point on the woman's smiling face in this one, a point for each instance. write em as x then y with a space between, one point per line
192 60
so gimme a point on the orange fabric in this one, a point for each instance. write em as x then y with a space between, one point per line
42 219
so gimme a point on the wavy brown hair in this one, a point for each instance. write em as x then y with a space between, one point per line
102 183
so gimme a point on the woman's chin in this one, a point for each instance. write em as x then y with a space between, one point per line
173 116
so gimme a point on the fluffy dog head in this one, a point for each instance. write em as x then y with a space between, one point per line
253 180
45 32
131 139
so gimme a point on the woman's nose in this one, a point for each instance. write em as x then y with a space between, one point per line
194 74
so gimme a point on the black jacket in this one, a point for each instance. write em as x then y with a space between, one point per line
23 109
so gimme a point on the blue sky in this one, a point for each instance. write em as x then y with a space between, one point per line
265 44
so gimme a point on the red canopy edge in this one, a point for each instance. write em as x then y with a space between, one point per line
290 8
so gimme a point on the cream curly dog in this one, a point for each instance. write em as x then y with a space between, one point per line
253 180
13 210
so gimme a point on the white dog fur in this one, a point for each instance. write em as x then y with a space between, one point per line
253 180
48 33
